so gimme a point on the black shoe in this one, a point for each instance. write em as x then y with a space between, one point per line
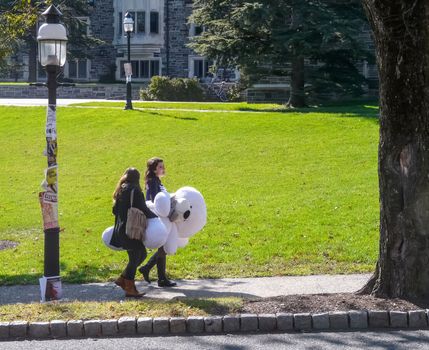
145 272
166 283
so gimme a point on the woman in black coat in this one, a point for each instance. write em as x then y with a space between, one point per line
136 250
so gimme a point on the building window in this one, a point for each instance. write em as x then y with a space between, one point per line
133 16
141 22
201 68
198 30
154 68
120 23
41 73
78 69
154 22
143 69
84 24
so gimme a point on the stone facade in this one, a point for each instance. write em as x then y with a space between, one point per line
86 91
176 54
101 26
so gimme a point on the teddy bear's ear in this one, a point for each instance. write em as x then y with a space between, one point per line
162 204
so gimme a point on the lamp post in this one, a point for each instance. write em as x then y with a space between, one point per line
128 29
52 39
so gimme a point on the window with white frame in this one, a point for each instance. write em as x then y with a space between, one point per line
85 23
196 30
143 69
199 68
77 69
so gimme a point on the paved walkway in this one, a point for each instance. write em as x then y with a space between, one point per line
209 288
69 103
28 102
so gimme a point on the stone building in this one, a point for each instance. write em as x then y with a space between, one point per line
158 47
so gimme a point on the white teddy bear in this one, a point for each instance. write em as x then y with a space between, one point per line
180 216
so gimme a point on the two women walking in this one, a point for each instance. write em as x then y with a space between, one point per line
129 185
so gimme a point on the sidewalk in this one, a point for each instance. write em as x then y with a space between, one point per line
32 102
227 287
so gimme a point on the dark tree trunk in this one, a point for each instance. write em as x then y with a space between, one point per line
32 55
297 94
401 36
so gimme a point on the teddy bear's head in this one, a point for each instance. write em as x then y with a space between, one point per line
184 213
192 209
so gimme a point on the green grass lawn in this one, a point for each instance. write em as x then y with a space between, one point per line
287 193
226 106
351 107
76 310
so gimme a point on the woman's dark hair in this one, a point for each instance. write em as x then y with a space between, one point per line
151 168
131 176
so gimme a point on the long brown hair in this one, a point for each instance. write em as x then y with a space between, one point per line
130 176
151 165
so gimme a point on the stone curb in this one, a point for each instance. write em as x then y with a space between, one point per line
244 323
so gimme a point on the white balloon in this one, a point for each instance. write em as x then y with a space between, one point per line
162 204
107 237
156 234
170 247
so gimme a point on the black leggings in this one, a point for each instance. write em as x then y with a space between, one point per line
160 260
136 255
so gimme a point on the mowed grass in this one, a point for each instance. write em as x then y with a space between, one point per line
225 106
287 193
76 310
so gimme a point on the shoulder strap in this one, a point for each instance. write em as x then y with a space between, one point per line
132 197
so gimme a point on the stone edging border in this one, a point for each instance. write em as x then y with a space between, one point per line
194 325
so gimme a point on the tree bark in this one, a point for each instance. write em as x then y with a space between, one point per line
400 29
32 55
297 94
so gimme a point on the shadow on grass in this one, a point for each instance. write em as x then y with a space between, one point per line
356 110
165 115
211 306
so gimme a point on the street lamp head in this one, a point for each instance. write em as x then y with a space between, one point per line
52 38
128 23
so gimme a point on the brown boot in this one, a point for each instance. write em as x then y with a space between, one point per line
120 282
129 287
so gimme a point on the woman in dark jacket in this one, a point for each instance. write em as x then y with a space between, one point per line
136 250
155 170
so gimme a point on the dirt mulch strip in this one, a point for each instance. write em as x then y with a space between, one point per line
316 303
7 245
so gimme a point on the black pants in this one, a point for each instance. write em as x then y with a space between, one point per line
160 260
136 255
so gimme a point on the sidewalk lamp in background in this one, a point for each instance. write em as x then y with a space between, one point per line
128 29
52 38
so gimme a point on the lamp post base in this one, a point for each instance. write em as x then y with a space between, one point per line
129 104
50 288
